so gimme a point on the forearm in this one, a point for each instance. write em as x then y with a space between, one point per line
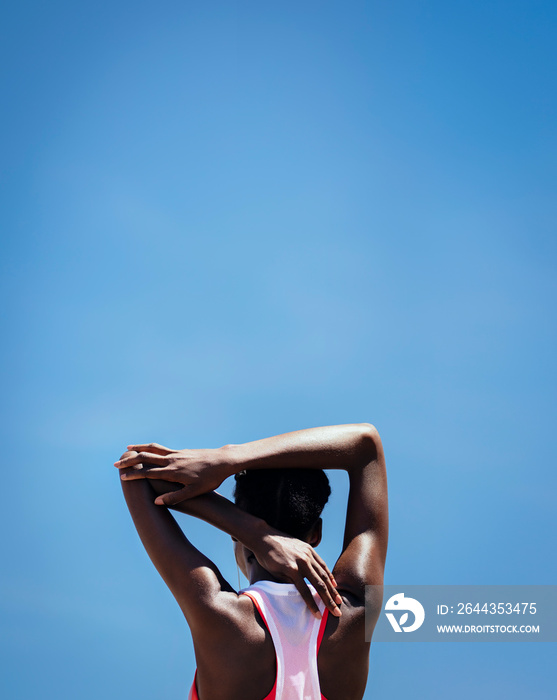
221 513
333 447
349 447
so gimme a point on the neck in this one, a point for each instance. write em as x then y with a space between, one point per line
258 573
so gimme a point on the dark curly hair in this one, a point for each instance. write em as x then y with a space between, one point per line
289 499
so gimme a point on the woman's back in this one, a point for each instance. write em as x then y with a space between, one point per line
243 652
270 646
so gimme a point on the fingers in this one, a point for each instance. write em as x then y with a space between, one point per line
329 574
327 591
144 471
322 584
320 578
152 447
128 454
328 578
134 460
172 498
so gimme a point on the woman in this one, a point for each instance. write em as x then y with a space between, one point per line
247 646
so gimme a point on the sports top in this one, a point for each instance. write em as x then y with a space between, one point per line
296 635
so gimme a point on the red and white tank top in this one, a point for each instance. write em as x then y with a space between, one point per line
296 635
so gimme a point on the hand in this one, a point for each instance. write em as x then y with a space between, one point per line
292 560
198 471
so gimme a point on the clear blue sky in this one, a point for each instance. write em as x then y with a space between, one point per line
225 220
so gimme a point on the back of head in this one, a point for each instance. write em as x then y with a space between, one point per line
289 499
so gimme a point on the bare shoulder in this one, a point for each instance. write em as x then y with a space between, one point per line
224 615
235 641
229 632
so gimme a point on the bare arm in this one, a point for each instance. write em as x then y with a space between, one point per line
287 558
366 531
355 448
192 578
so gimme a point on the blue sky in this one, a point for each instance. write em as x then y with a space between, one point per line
229 220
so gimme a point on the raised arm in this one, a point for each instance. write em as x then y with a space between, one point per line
355 448
193 578
289 560
366 531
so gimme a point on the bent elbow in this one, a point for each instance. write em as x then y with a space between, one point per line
370 441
